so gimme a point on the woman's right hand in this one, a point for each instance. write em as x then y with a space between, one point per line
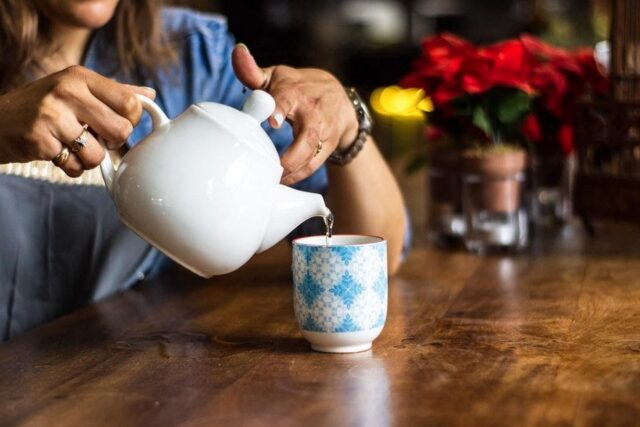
40 118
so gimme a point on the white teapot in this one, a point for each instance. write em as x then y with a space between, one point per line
205 188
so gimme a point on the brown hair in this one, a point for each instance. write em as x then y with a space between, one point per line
135 32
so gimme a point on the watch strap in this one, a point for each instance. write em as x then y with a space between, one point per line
344 157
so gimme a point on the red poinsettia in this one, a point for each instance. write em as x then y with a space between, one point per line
531 128
517 90
510 65
437 69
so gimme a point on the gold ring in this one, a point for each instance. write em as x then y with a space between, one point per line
80 142
62 157
318 148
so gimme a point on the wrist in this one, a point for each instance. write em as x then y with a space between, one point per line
349 135
358 131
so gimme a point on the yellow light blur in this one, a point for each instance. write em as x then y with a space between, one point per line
402 103
425 105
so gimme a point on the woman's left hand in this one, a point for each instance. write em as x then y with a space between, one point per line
313 101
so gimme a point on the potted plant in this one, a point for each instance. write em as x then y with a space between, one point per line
487 101
561 78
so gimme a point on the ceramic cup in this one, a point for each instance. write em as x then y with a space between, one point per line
340 291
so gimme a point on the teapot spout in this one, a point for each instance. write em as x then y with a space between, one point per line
289 209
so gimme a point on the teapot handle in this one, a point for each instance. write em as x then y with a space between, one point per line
158 119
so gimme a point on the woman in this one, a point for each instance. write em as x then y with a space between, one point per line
64 65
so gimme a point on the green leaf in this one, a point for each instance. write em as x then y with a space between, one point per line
513 106
481 119
463 105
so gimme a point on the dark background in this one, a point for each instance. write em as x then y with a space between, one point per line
371 43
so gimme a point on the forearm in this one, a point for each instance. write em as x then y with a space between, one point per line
365 199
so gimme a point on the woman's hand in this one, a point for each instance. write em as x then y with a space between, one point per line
313 101
319 109
39 119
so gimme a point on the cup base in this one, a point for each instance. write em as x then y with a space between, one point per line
341 349
341 342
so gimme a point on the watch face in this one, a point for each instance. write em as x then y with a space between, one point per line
366 122
367 114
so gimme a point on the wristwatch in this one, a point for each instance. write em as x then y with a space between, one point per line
365 125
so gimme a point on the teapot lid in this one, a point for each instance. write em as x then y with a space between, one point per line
245 124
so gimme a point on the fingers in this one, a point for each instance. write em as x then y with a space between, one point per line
286 102
57 107
111 126
92 153
307 130
312 123
118 97
301 151
254 77
73 166
110 108
314 163
76 80
149 92
302 158
311 100
66 132
247 70
302 173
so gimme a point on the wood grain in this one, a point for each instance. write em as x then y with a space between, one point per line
550 337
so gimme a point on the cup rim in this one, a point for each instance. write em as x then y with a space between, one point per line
299 241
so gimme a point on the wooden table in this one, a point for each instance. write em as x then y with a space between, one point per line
551 337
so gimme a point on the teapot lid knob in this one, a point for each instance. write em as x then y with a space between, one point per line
260 105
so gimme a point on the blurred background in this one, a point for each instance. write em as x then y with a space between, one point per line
371 43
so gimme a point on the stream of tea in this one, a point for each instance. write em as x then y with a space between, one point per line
328 225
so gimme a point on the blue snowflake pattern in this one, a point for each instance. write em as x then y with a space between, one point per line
380 320
380 285
307 254
346 253
348 289
311 325
347 325
309 290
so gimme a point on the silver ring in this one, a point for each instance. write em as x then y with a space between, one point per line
62 157
80 142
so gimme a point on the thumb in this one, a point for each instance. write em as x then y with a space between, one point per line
247 69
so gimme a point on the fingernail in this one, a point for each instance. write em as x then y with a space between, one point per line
279 118
244 46
149 88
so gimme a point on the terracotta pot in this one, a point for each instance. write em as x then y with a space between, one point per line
498 177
